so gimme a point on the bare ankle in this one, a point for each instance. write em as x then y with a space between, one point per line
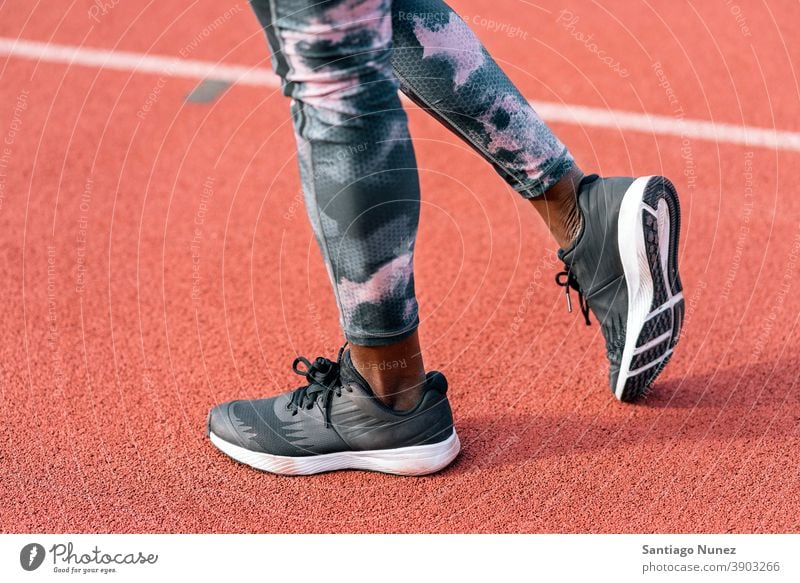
395 373
558 207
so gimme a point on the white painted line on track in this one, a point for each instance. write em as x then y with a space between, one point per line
550 111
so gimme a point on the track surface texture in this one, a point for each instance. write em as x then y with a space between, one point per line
156 260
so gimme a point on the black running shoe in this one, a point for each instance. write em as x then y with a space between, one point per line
624 265
336 423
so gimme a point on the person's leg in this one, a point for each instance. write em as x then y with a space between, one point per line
618 236
444 68
359 176
360 182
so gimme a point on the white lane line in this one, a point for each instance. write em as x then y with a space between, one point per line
550 111
137 62
669 126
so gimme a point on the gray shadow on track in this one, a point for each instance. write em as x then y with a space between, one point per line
710 407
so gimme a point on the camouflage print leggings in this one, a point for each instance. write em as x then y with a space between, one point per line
342 62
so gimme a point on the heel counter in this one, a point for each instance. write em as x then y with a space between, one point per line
437 419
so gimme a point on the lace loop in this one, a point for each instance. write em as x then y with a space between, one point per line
324 381
567 280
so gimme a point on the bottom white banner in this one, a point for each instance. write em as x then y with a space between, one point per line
354 558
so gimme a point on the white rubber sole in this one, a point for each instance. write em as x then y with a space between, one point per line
639 280
417 460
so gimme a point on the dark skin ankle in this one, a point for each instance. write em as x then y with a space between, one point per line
394 372
558 207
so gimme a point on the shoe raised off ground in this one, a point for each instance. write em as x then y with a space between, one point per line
335 422
624 265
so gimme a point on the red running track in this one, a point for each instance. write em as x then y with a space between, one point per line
156 264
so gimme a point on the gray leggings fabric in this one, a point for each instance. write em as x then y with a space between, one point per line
342 63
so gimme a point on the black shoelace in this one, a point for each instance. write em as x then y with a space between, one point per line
567 280
324 381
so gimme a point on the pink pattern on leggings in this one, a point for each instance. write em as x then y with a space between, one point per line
518 134
381 284
466 59
326 86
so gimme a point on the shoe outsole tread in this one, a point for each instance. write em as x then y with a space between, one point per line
664 290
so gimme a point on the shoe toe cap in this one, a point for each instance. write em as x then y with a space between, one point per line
222 424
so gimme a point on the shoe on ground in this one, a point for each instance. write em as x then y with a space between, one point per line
335 422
